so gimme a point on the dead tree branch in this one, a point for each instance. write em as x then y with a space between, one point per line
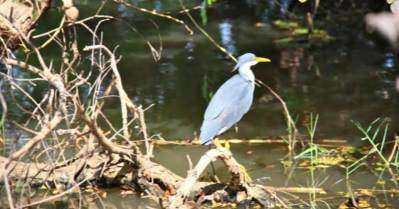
238 180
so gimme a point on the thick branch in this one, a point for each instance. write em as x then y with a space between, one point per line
253 191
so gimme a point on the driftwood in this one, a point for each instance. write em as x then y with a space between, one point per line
149 176
239 181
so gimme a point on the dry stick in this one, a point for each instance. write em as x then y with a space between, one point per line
291 144
54 79
52 37
188 10
42 134
9 196
372 192
100 8
24 128
394 149
149 145
116 132
28 95
124 98
394 175
4 108
95 37
69 24
46 69
153 12
106 93
54 197
99 134
296 189
205 33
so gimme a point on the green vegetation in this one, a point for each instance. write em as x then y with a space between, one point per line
298 36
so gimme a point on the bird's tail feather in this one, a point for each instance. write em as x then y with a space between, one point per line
205 138
209 129
207 142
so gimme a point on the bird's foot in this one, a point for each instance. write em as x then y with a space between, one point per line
219 143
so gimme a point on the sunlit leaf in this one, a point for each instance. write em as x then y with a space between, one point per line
363 203
299 31
366 192
329 160
76 189
380 182
284 24
210 2
287 163
89 190
259 24
104 194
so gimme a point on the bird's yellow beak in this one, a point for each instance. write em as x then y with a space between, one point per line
262 59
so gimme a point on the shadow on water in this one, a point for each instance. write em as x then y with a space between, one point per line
351 78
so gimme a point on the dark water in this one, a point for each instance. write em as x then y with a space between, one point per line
349 79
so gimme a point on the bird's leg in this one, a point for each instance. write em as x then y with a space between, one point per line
219 143
247 177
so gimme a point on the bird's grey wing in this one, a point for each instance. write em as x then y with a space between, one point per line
227 94
231 101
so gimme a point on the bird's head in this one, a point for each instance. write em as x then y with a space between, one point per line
249 59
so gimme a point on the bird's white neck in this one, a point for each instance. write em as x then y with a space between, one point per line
246 72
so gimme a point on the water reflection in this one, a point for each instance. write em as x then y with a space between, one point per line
121 8
190 46
291 59
284 5
385 76
335 80
158 5
226 36
389 60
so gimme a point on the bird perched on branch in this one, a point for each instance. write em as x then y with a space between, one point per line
231 101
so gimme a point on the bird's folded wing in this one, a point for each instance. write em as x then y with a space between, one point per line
228 96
